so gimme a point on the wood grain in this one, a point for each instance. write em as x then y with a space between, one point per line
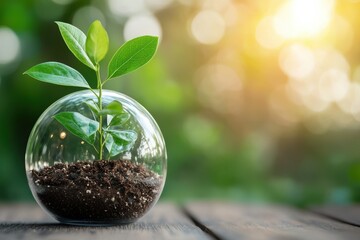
164 221
233 221
346 214
213 220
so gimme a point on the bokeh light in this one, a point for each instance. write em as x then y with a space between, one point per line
226 8
317 77
350 103
333 85
126 8
139 25
9 45
314 103
297 61
208 27
157 5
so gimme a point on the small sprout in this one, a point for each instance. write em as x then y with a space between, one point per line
91 49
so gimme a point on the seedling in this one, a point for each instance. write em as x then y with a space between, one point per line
91 49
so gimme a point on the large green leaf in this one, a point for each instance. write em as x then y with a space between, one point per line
97 42
75 40
132 55
113 108
79 125
117 142
57 73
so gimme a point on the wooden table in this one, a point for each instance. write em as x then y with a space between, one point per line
200 220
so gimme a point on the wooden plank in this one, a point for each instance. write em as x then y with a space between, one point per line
164 221
233 221
346 214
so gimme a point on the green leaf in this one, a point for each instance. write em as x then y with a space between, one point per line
79 125
119 119
119 141
75 40
113 108
57 73
132 55
97 42
93 106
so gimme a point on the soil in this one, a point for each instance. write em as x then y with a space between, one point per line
97 191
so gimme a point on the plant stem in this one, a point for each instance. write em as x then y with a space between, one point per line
99 96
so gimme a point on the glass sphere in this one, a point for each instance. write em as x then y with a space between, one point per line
70 181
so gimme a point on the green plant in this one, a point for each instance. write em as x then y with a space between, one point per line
91 49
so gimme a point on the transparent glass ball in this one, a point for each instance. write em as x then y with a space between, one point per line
71 183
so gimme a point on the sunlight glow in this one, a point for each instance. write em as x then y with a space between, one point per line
303 18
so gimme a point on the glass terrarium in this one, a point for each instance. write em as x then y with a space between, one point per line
77 184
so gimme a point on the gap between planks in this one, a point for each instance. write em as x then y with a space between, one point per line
200 225
233 221
345 214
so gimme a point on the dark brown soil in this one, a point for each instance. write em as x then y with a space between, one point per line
97 191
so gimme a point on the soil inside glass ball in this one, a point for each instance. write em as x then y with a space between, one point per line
97 191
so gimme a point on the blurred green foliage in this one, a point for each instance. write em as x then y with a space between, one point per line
244 153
